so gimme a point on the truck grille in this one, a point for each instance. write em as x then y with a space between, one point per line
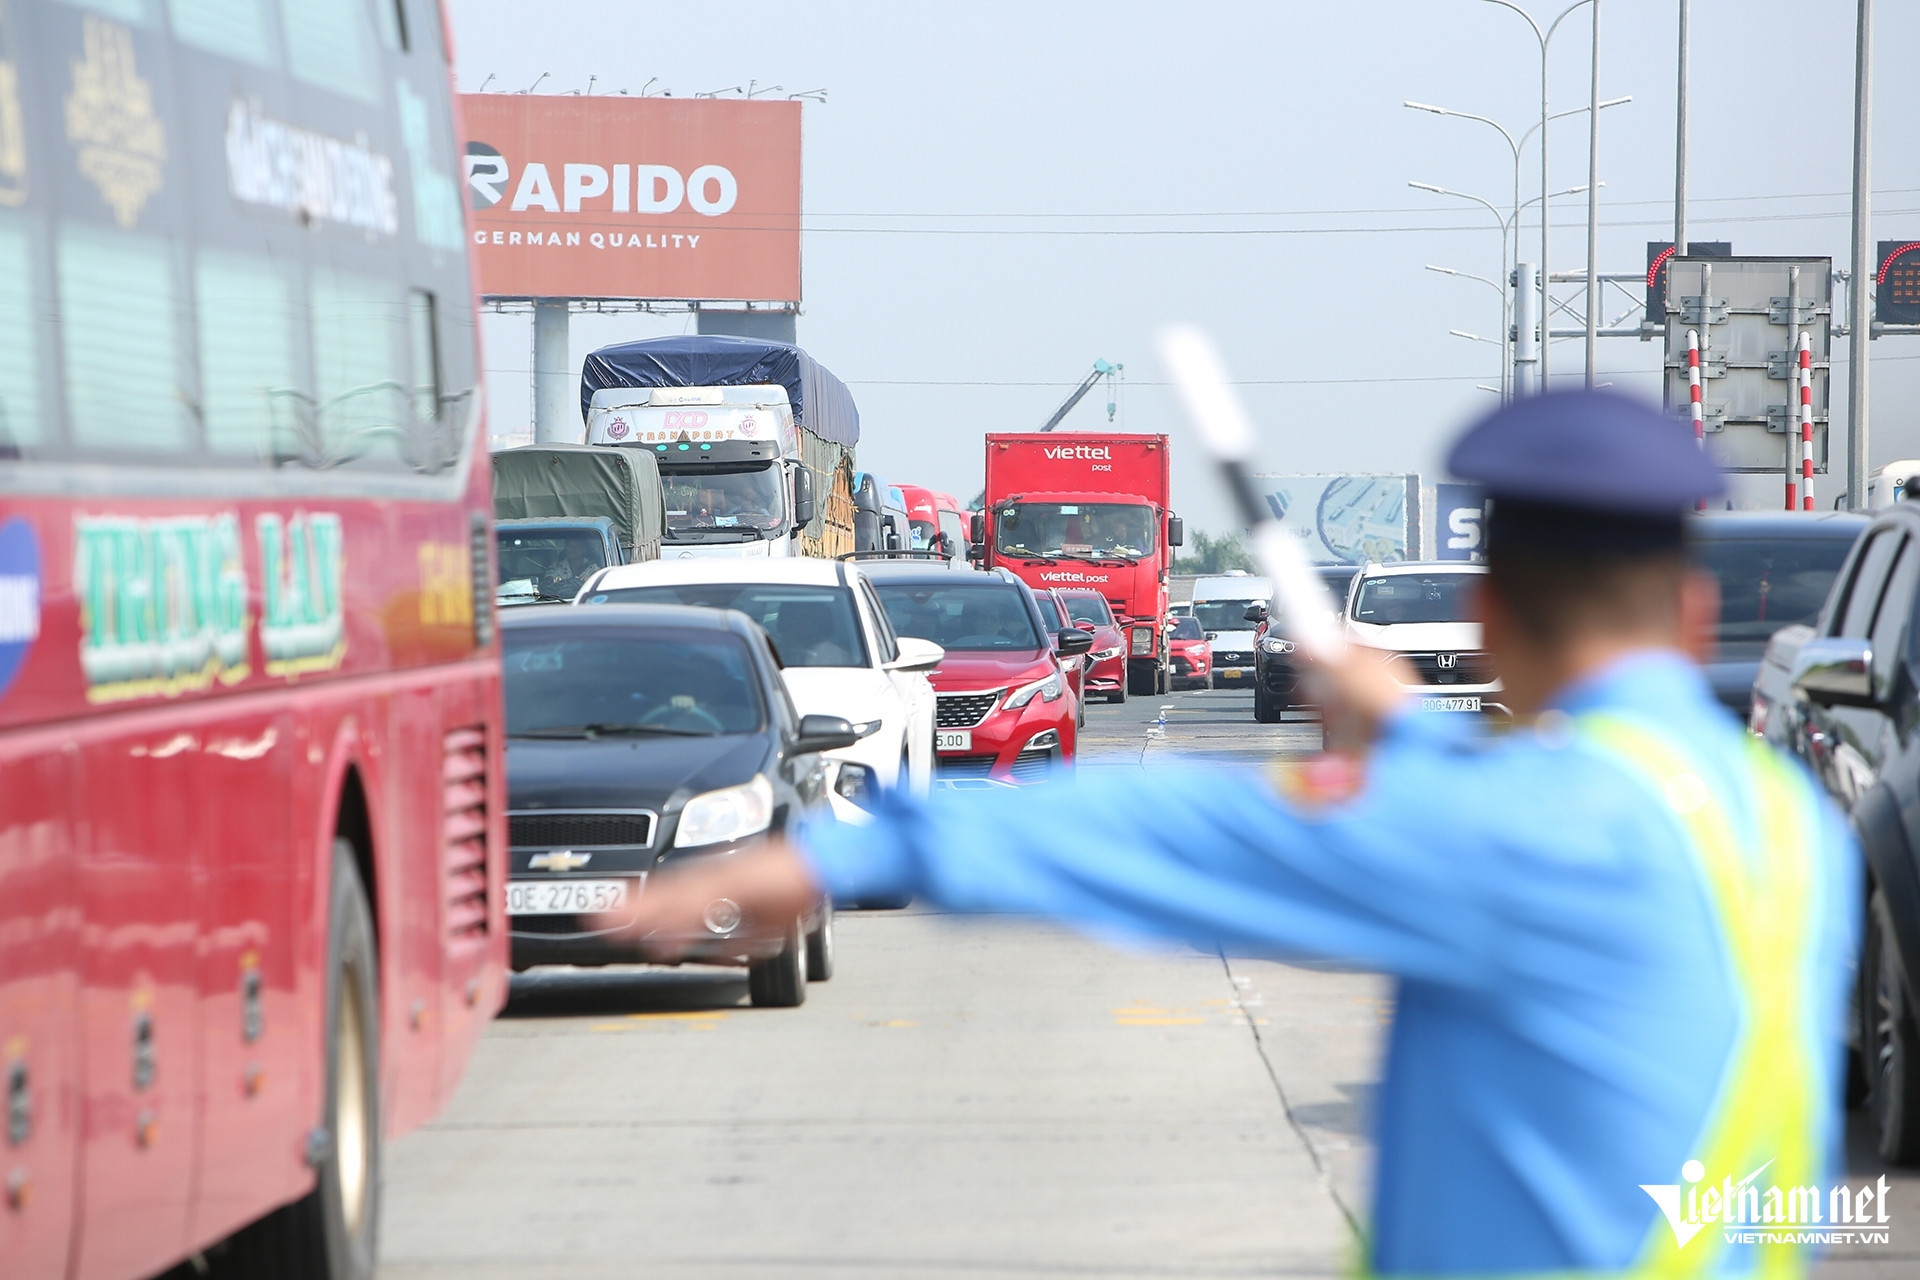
463 801
1468 668
533 830
964 710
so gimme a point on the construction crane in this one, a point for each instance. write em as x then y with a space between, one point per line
1101 369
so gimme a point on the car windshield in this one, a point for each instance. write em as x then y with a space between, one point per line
976 616
711 498
1767 583
1188 629
1224 615
1049 612
1087 607
556 563
1415 597
1088 530
581 684
810 626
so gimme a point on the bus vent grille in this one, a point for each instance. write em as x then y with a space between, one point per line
463 783
480 562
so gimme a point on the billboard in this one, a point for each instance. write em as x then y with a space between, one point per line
1459 522
650 198
1346 519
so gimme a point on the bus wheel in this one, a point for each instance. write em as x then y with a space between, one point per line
331 1232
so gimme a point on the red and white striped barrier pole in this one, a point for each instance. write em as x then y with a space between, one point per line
1693 391
1806 423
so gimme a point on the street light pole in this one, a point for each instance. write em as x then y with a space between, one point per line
1859 334
1593 200
1545 39
1680 145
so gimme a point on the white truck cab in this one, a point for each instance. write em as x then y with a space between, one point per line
729 461
1220 604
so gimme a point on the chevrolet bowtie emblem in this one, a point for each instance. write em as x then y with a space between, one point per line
559 860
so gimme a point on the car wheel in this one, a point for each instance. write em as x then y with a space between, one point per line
1889 1041
332 1232
780 982
1265 710
1119 695
820 945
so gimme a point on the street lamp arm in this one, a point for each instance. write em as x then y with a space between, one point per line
1565 14
1468 275
1537 33
1461 195
1573 111
1468 115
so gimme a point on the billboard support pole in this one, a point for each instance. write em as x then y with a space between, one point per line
1858 321
1526 337
553 413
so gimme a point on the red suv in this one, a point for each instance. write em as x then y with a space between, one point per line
1053 617
1088 610
1006 711
1192 654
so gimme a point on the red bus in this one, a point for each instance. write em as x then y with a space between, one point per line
251 800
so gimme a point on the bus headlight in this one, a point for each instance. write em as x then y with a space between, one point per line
731 813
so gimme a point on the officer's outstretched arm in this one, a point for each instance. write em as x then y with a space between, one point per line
1180 855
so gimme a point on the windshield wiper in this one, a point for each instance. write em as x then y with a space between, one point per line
1110 558
602 730
1031 557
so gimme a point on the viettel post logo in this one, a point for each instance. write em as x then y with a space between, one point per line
1749 1212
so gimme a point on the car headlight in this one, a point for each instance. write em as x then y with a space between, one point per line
731 813
1274 644
1049 688
1101 655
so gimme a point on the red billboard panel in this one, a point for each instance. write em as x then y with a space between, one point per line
656 198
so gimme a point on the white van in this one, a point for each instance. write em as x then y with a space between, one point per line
1221 606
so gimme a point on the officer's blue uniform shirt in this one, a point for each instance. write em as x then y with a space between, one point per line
1565 1004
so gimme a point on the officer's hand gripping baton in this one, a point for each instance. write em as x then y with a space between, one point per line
1306 607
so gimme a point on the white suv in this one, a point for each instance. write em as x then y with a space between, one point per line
1422 612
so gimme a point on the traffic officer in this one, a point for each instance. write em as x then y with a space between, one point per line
1621 931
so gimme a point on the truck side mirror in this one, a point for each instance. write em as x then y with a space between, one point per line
977 551
978 530
802 495
1176 531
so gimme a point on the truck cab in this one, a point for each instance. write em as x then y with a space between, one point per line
1083 510
546 560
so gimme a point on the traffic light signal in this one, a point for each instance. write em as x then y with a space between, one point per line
1658 251
1896 285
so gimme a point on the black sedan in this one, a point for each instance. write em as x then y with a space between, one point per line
639 735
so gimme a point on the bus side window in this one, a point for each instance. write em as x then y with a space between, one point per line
253 400
120 322
357 336
22 412
329 46
422 314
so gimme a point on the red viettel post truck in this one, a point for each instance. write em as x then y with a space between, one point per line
1088 510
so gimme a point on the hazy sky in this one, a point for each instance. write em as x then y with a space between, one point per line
997 194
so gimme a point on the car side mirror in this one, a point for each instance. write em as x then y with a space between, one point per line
1072 642
802 495
1255 613
1212 635
1176 532
825 733
977 526
917 655
1835 671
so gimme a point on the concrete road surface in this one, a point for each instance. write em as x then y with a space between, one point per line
966 1098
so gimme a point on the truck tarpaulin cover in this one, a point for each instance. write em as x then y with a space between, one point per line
616 197
821 402
581 480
